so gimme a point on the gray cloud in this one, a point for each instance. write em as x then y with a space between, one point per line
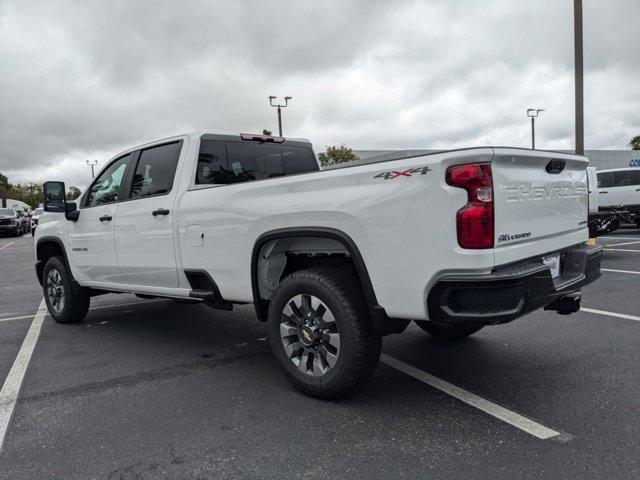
84 80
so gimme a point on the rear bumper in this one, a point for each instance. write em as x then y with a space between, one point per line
513 290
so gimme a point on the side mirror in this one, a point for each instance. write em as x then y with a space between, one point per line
54 200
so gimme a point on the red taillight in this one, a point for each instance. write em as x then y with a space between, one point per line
475 219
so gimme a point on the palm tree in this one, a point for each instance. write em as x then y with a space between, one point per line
635 143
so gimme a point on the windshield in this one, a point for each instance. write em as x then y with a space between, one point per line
6 211
38 211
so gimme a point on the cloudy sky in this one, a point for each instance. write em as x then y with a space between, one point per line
85 80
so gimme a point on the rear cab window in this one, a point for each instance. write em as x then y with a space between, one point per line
226 162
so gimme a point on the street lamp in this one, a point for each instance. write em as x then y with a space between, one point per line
92 163
579 75
533 114
286 102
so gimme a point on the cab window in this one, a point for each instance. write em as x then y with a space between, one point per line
155 170
605 179
626 178
106 188
233 162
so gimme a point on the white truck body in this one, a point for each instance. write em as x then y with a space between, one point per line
619 187
405 227
398 222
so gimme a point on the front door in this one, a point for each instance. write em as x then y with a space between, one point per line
145 245
91 237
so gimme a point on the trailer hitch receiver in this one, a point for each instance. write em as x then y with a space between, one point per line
565 305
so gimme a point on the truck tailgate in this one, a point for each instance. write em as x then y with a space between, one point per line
541 202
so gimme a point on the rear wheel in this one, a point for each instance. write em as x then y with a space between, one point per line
63 304
321 333
447 332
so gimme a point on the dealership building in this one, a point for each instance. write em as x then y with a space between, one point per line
601 159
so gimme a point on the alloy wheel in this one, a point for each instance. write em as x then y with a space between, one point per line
310 335
55 290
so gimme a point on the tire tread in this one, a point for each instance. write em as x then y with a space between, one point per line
347 291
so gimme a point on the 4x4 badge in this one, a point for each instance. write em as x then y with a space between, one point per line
403 173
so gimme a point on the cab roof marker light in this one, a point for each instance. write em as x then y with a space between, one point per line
261 138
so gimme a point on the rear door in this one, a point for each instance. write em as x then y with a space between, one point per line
144 229
626 187
541 201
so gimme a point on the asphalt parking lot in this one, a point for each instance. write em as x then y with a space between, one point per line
155 389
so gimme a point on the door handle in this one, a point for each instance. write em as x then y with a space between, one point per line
603 192
637 189
160 211
106 218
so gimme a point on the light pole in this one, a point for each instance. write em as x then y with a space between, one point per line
533 114
286 102
577 52
92 163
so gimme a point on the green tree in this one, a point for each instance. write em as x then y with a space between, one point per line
335 155
6 188
29 193
635 143
73 193
266 132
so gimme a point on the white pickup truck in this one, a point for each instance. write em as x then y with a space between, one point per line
331 259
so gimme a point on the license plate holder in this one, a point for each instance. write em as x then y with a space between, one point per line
553 262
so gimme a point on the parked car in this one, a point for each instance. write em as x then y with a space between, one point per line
333 259
619 190
35 218
11 222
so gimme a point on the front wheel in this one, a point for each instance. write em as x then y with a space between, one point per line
447 332
63 304
321 333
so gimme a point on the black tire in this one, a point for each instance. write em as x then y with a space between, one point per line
638 222
74 306
447 332
359 346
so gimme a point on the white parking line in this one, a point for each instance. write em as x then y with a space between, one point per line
13 382
6 245
512 418
618 238
609 245
619 271
610 314
22 317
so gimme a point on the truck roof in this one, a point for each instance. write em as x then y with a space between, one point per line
622 169
236 137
